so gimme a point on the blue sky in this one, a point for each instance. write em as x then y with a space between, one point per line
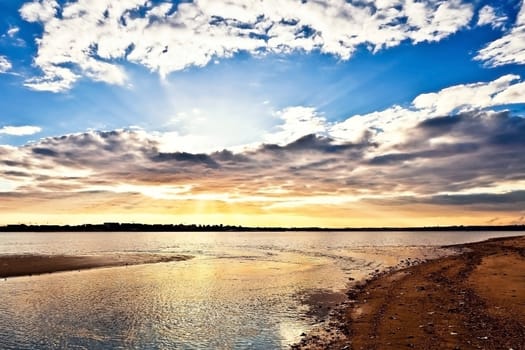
204 76
241 84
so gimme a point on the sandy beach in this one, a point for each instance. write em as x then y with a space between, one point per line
473 300
27 265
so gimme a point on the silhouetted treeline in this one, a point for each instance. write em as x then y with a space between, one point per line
133 227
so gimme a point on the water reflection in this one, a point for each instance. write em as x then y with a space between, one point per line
242 290
211 303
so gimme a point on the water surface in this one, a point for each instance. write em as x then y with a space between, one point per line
241 290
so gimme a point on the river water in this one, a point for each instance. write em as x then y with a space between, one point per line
242 290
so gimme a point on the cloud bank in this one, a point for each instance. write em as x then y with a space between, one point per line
165 37
435 155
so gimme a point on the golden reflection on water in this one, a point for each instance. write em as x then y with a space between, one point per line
206 302
242 290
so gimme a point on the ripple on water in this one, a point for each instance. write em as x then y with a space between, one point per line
243 290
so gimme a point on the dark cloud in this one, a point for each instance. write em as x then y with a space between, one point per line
441 124
512 198
228 156
445 150
511 132
12 163
315 143
456 153
16 174
185 157
492 128
508 201
44 152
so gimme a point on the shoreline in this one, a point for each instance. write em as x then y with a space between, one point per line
35 264
473 299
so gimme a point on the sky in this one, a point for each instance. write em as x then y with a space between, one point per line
263 112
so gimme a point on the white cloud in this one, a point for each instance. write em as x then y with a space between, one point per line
435 23
170 141
170 37
55 79
465 97
20 130
387 126
11 36
39 10
488 16
5 65
508 49
12 31
511 95
298 121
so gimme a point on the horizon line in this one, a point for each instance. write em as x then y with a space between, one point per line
124 226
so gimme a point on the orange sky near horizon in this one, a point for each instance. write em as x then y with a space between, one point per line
86 210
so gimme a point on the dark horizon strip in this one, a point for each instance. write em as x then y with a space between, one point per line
134 227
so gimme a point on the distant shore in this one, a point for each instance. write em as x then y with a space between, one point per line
137 227
473 300
27 265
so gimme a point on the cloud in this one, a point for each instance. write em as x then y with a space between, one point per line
20 130
510 48
461 154
168 37
480 202
474 152
297 122
441 151
13 31
451 152
391 127
40 151
505 200
487 15
55 79
468 96
5 65
39 10
11 36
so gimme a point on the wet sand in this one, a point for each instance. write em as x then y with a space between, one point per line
473 300
27 265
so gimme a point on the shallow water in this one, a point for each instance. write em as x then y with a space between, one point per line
241 290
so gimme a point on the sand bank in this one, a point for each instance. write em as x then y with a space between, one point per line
473 300
26 265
